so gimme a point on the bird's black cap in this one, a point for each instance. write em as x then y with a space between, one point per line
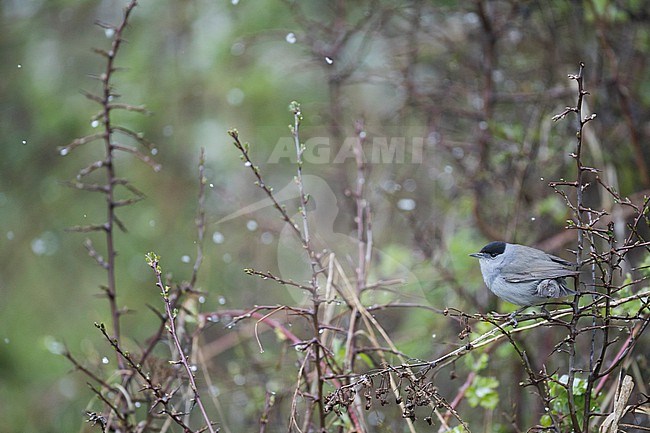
494 248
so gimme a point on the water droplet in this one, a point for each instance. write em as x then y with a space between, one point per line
137 404
238 48
221 300
64 151
109 33
433 335
201 299
291 38
46 244
458 152
185 259
406 204
320 331
533 218
391 186
105 360
410 185
235 2
247 164
211 185
239 379
251 225
218 238
154 151
24 142
235 96
329 60
541 178
193 367
267 238
53 346
19 66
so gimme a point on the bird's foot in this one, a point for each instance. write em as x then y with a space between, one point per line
512 319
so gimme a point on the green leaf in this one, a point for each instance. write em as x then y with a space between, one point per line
483 392
366 359
476 364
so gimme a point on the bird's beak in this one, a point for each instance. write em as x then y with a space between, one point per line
477 255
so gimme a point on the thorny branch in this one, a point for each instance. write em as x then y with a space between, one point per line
106 99
153 262
603 268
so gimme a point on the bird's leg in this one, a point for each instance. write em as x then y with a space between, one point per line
512 318
545 312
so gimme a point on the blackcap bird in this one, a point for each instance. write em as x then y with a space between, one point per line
523 275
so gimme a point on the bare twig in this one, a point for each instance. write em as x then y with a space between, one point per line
153 261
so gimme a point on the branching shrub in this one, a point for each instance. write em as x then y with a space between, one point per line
339 368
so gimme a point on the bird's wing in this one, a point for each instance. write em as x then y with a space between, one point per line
537 266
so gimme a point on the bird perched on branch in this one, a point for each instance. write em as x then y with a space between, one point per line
523 275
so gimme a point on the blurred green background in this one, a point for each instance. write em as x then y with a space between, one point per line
473 83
